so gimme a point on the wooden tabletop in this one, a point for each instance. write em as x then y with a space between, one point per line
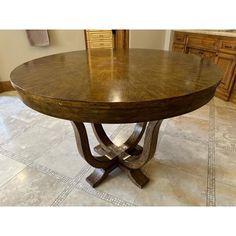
116 86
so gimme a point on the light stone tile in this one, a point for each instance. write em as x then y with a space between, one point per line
10 106
64 158
169 186
33 142
110 128
188 128
80 198
201 113
225 115
27 115
50 122
8 169
9 128
225 136
222 103
30 188
225 166
183 154
225 195
122 133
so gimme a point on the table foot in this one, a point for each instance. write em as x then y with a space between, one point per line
137 177
98 176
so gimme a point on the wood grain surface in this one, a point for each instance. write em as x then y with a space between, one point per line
116 86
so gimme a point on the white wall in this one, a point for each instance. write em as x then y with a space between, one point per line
15 48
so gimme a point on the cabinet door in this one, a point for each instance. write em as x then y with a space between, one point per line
178 47
203 53
227 63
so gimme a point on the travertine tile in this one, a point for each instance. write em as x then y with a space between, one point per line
63 158
169 186
10 106
30 188
32 143
201 113
80 198
225 195
225 166
183 154
10 127
53 123
27 115
8 169
188 128
221 103
225 136
225 115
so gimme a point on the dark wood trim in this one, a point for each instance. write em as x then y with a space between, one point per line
233 93
5 86
85 38
122 39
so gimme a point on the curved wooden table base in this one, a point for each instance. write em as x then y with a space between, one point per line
129 156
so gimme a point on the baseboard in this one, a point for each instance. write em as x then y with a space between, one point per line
5 86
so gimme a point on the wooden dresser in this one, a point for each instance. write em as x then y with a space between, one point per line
220 49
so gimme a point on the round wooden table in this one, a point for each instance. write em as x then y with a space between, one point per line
117 86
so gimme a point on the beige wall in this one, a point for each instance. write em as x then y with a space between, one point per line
151 39
15 48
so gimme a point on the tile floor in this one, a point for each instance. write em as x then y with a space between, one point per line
194 164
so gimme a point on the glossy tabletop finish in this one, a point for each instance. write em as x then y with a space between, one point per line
116 86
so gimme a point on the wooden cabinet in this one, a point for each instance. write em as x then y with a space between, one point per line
219 49
227 63
107 39
99 39
202 53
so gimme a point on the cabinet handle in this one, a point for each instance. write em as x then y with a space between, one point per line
227 46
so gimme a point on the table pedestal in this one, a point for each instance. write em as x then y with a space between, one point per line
129 156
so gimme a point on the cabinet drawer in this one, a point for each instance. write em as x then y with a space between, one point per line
228 46
203 53
178 47
202 43
99 35
101 44
179 38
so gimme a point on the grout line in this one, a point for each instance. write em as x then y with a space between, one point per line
103 195
2 185
211 195
35 166
71 183
70 186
